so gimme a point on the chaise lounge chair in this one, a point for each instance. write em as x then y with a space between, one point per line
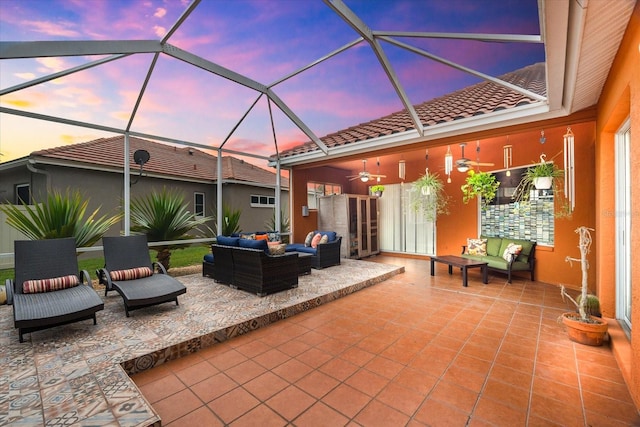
49 290
128 270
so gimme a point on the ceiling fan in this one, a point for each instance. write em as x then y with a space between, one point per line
364 175
463 164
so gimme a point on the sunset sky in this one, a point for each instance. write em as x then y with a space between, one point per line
263 40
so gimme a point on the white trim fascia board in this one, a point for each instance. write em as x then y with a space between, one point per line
252 184
15 163
506 117
554 26
114 169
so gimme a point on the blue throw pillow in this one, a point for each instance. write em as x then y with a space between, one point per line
255 244
208 258
227 241
330 234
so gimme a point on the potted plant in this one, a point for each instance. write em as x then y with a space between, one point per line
428 196
583 327
482 185
377 190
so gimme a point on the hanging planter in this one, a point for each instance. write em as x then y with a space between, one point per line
543 176
482 185
377 190
428 197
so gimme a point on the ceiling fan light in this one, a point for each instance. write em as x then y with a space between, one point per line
463 168
364 178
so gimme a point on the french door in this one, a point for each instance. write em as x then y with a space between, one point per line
623 225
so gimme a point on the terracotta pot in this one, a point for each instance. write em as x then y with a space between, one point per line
585 333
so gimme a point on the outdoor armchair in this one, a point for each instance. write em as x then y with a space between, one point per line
49 290
129 271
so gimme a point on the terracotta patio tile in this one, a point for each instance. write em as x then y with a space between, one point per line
162 388
610 408
265 386
261 415
314 357
252 348
367 382
509 394
233 404
455 395
290 402
346 400
321 415
245 371
317 384
177 405
555 390
464 378
292 370
401 398
356 356
560 412
271 358
377 413
416 379
339 369
498 413
196 373
436 413
227 359
383 366
294 347
213 387
199 417
333 346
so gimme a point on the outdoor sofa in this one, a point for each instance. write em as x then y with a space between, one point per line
248 265
503 255
324 254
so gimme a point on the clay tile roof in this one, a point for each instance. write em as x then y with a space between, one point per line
183 162
481 98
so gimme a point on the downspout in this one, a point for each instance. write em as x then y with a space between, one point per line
31 166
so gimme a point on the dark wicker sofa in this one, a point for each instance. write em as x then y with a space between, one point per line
253 270
45 260
325 254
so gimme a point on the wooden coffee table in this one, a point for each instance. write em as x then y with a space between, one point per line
463 263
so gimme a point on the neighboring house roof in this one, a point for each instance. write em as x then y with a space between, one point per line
183 162
481 98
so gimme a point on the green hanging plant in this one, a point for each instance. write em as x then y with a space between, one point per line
428 196
482 185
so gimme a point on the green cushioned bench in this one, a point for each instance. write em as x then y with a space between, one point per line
495 248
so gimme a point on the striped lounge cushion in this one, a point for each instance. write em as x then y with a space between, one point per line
52 284
132 273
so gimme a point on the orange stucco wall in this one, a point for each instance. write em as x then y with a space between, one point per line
619 101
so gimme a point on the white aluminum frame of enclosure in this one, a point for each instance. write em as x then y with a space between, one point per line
117 49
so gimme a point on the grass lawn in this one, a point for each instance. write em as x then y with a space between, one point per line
179 258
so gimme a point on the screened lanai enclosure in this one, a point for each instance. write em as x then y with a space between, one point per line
255 79
283 83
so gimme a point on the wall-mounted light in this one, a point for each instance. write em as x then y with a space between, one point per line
569 169
305 210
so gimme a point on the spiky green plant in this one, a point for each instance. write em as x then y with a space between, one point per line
163 216
230 221
61 215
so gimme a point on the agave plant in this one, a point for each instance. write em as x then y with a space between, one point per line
230 221
163 216
61 215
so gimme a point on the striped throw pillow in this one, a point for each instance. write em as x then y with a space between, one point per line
132 273
47 285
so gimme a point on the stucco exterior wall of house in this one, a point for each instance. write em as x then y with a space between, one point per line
9 181
238 196
620 100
